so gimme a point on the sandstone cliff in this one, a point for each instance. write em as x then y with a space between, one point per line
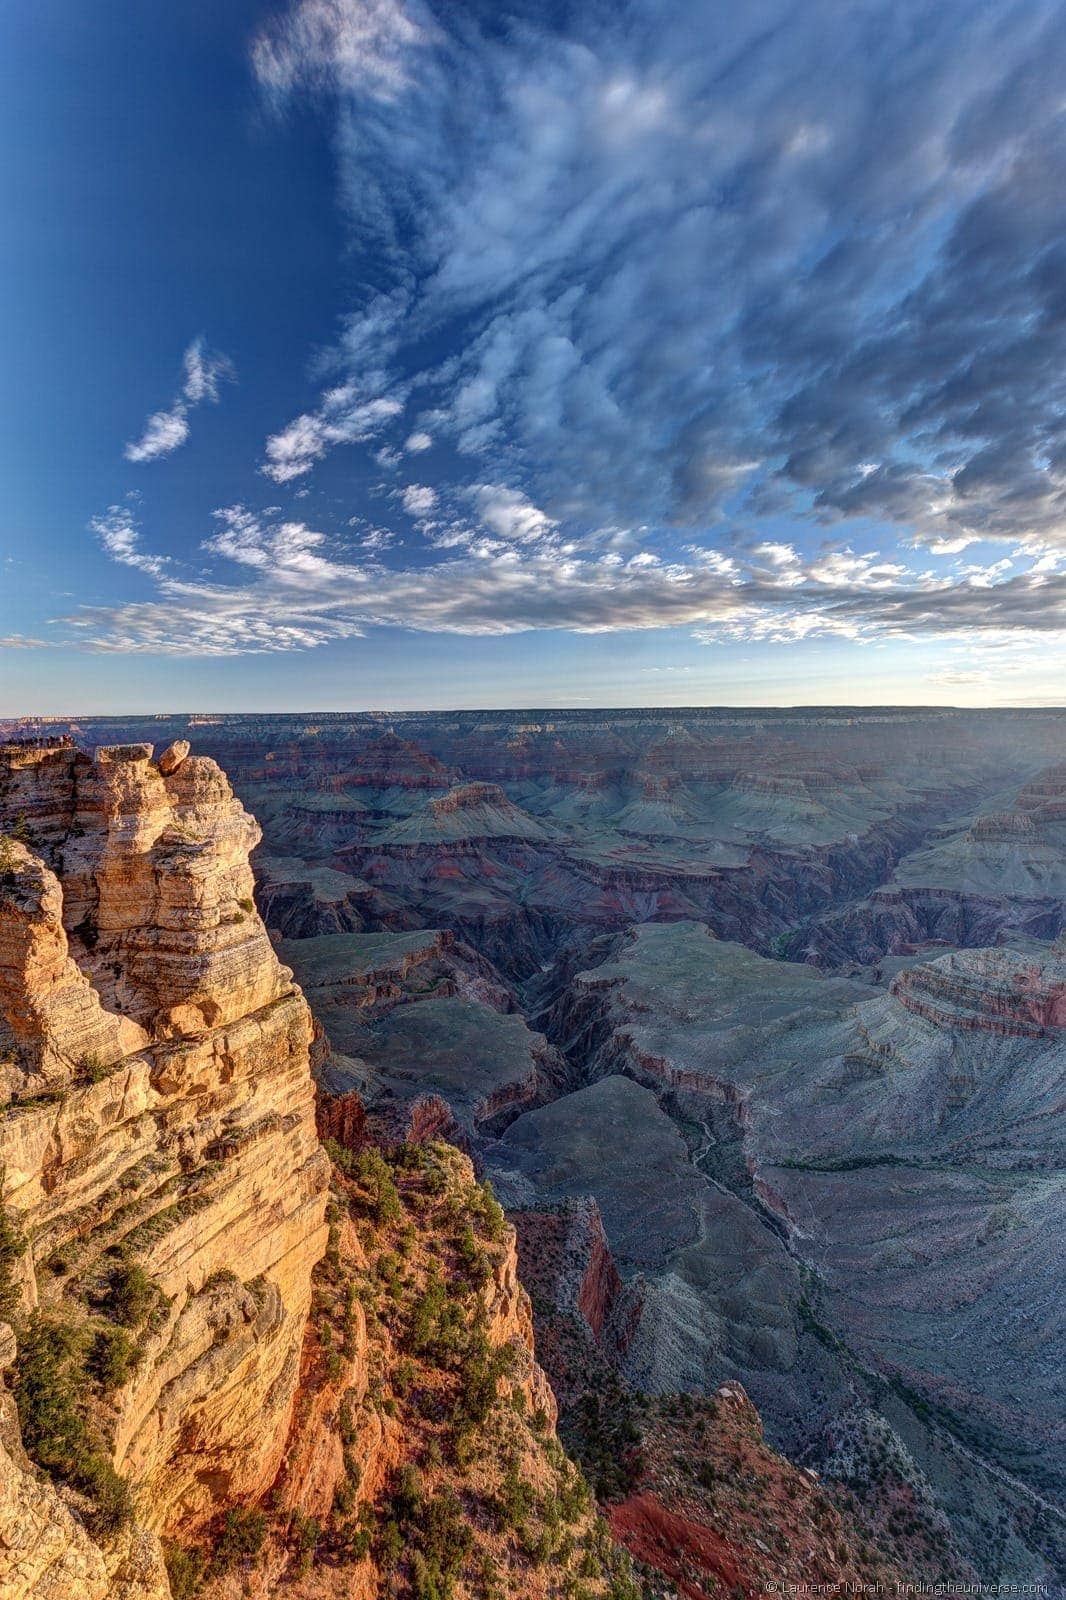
160 1162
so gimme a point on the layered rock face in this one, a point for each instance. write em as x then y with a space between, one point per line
997 991
160 1111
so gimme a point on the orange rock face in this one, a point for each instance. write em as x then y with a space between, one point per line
154 1061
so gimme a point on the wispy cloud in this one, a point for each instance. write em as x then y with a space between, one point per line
286 586
346 416
680 269
119 534
165 431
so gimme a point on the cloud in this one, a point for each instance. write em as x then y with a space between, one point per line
344 417
419 500
752 324
359 45
680 270
163 432
294 588
119 533
166 430
203 374
509 515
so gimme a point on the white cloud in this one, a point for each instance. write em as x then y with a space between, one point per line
288 549
419 500
358 45
950 547
508 514
344 417
297 593
678 274
203 373
119 533
165 431
378 539
417 442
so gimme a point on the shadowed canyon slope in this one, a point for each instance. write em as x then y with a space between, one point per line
757 1022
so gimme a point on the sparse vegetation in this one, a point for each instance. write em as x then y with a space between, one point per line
12 1247
485 1496
112 1358
243 1534
185 1571
91 1068
10 862
131 1294
52 1385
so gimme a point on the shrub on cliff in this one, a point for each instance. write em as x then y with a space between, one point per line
112 1358
371 1172
12 1245
131 1294
51 1383
493 1213
243 1533
185 1571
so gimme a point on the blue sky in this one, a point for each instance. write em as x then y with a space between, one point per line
382 353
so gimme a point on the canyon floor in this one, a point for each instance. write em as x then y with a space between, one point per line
756 1025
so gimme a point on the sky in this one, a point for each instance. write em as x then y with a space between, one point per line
397 354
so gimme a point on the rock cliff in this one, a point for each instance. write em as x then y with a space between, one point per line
162 1176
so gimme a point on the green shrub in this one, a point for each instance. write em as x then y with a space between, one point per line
110 1494
50 1369
495 1221
437 1324
12 1246
388 1545
92 1068
515 1500
444 1534
407 1495
243 1533
480 1372
305 1534
185 1570
51 1380
371 1171
131 1294
472 1258
112 1358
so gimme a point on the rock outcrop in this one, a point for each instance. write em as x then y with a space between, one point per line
995 991
158 1147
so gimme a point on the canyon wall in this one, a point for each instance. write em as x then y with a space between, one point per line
158 1145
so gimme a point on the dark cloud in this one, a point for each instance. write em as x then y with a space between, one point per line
683 252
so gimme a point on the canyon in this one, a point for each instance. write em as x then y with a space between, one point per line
754 1022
